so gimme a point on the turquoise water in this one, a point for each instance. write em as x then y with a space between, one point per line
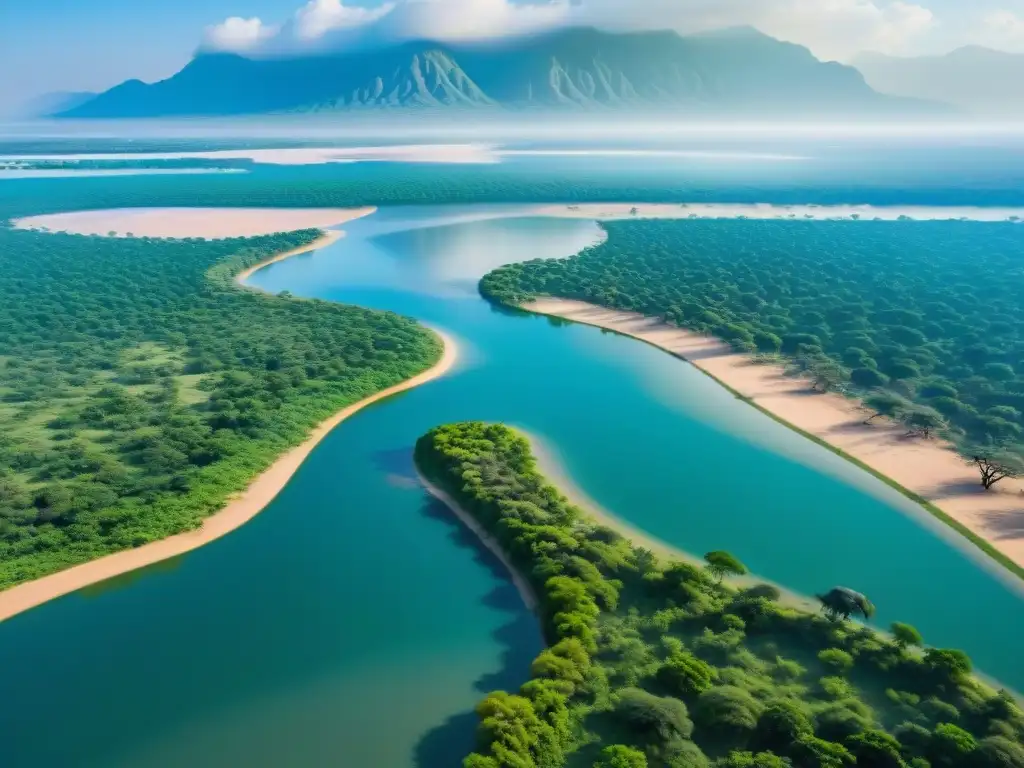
354 601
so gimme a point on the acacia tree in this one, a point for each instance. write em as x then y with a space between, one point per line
840 603
722 564
923 422
996 466
887 404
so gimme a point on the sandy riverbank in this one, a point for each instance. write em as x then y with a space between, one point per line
617 211
522 586
236 513
550 465
328 237
929 469
210 223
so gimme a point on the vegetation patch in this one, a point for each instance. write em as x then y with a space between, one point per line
656 662
139 388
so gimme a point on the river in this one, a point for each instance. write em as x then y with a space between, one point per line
355 623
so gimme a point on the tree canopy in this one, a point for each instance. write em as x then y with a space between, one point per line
649 658
921 318
139 388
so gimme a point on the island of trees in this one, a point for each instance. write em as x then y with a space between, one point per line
920 319
139 388
654 662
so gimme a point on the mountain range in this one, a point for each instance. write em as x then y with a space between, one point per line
978 80
730 72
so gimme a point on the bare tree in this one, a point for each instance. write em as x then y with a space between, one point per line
996 466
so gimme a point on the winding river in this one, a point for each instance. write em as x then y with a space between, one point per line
355 623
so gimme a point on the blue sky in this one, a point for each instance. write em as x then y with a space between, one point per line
93 44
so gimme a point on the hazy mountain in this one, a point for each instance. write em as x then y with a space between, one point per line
733 71
48 104
978 80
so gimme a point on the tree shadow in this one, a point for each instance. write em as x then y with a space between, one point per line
1006 525
519 639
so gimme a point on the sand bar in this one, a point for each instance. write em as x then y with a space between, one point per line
210 223
929 469
617 211
240 510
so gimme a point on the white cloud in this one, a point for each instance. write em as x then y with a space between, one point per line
1002 29
473 19
237 34
318 17
832 29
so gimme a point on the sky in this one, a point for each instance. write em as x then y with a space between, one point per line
70 45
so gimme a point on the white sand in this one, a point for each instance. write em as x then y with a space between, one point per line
930 469
211 223
616 211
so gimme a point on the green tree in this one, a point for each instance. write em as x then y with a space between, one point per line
923 422
948 665
722 564
780 726
951 747
875 749
905 635
619 756
752 760
686 675
812 752
888 404
837 660
654 720
998 752
728 711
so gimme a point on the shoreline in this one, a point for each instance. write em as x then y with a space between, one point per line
927 472
550 465
262 490
522 585
327 237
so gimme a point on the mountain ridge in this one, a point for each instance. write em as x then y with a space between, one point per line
730 71
982 81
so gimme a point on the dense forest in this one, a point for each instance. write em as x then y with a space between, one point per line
551 180
139 388
921 318
663 663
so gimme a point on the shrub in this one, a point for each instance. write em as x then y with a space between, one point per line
655 720
781 724
619 756
837 660
876 749
728 711
841 720
998 752
951 746
686 675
